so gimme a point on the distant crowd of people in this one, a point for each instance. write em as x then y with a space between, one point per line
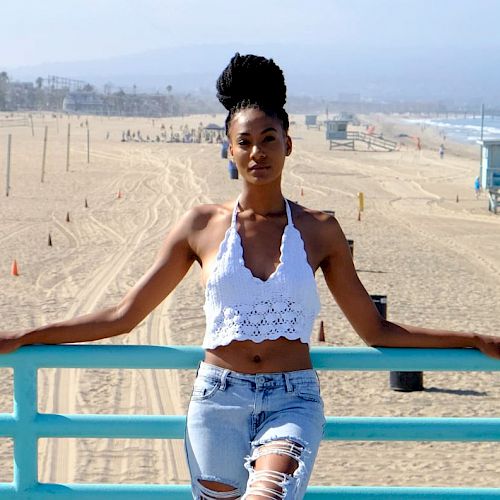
184 135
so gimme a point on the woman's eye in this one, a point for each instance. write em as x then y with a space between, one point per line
269 138
242 143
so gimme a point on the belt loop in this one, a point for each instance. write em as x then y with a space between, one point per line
223 379
288 383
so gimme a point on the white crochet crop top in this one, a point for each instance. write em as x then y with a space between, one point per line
240 306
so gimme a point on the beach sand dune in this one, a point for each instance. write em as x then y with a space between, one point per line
435 258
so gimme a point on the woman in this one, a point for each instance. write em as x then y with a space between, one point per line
255 418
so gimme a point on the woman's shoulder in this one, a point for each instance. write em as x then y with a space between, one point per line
313 218
318 226
201 216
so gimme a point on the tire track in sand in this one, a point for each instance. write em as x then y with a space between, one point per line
62 452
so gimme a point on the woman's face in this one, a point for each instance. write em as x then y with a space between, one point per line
258 145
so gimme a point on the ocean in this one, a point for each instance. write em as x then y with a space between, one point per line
465 130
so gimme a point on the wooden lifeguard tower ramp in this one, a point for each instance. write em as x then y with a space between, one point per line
341 138
490 172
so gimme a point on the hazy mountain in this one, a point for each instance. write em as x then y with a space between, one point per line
392 73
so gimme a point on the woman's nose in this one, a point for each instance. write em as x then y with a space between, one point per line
257 152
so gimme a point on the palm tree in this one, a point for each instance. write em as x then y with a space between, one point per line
4 84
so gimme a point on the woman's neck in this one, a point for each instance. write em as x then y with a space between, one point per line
262 201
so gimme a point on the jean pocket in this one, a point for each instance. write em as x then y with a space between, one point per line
204 389
309 392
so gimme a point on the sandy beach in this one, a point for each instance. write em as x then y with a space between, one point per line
436 259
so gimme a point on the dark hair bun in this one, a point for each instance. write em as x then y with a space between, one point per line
252 79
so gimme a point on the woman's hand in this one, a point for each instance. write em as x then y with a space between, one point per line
10 341
489 345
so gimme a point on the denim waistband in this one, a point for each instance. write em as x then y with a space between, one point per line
274 379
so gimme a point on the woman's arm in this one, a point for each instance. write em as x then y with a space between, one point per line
171 265
356 304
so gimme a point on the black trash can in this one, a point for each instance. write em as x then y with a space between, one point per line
406 381
233 171
351 248
399 381
380 302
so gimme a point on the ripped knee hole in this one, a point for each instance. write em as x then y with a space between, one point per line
279 447
214 490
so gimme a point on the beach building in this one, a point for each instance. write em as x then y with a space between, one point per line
489 173
83 102
312 121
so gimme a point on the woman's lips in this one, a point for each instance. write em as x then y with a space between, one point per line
258 167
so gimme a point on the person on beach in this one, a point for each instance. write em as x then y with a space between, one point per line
477 187
255 418
441 151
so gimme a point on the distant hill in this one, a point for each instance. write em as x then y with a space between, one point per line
320 71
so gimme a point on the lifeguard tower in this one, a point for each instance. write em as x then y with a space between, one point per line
340 138
336 133
312 121
490 171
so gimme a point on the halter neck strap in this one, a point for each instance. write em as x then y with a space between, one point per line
287 207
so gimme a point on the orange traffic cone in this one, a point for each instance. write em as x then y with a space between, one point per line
301 191
14 271
321 333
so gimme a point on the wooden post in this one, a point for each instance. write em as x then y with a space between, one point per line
67 150
44 155
361 202
9 144
88 145
321 333
32 127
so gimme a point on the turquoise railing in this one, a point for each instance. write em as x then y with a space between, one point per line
26 425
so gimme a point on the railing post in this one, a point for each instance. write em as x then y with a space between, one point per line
25 439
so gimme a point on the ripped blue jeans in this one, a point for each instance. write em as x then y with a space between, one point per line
235 418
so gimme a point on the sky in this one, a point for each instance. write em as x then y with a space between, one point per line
34 32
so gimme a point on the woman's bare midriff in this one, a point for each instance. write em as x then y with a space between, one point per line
245 356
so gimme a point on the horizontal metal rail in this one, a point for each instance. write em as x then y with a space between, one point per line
26 425
76 491
336 428
187 357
